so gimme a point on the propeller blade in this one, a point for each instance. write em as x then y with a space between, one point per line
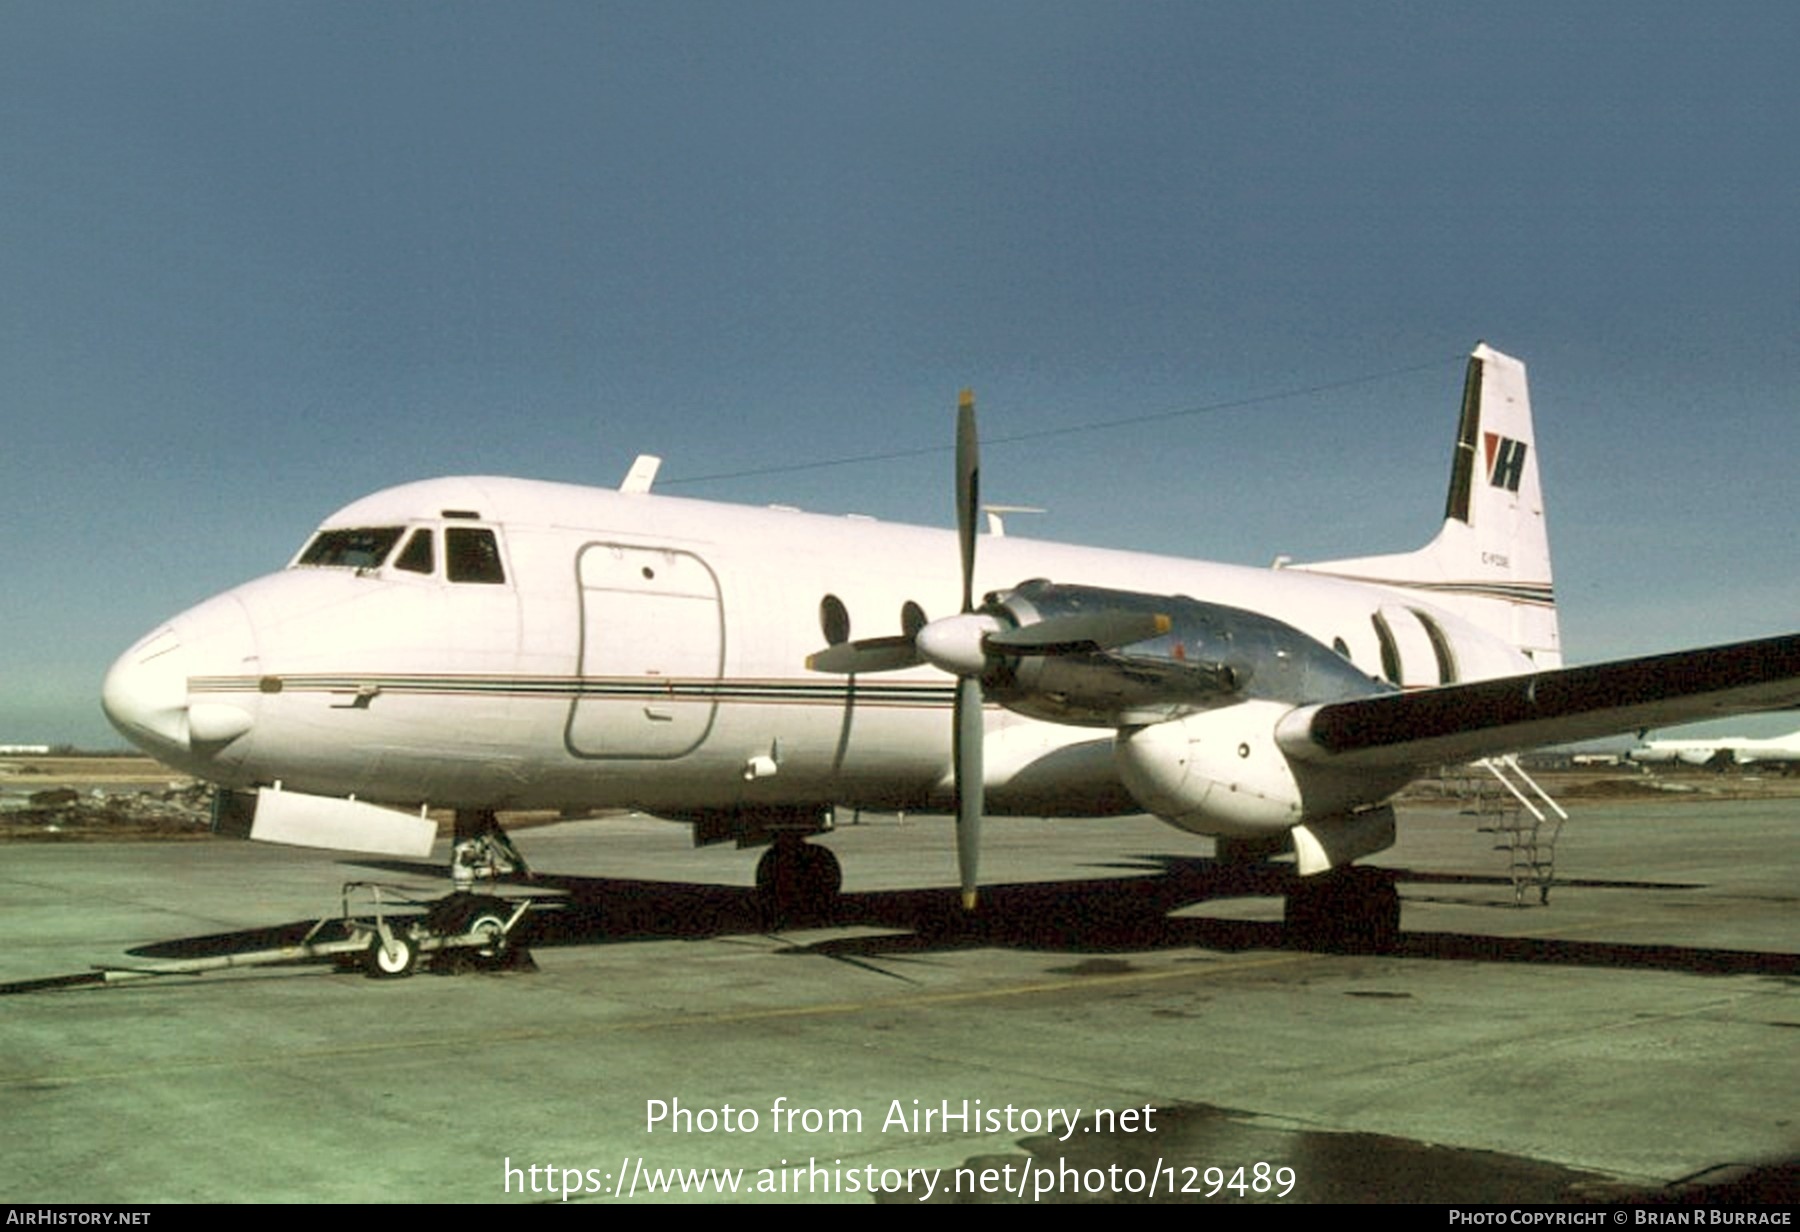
970 733
870 654
1079 632
961 653
968 491
953 644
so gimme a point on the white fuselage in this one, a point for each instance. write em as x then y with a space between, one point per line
650 652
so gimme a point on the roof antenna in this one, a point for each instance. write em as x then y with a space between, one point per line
995 527
641 475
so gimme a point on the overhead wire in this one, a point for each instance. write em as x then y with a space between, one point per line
1102 425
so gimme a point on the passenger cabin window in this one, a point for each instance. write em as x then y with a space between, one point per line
417 556
834 620
363 548
1440 647
1390 649
472 555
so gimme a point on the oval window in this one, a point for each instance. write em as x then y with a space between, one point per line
834 620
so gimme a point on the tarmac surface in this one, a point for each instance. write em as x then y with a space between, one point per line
1638 1037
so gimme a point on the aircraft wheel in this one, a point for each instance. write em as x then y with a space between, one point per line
483 915
821 872
489 921
1375 926
392 961
796 878
1351 911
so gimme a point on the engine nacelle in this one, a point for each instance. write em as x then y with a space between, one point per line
1217 773
1221 773
1208 655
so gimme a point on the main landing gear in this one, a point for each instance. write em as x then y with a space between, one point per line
796 879
1347 911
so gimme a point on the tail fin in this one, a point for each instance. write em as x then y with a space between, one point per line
1490 564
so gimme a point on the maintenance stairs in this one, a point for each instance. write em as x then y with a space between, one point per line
1508 803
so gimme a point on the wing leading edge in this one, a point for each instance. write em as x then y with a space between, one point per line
1490 717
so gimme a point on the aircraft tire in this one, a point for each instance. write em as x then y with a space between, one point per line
1350 911
796 878
383 963
490 919
463 913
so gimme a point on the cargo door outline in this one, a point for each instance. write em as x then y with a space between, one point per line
652 649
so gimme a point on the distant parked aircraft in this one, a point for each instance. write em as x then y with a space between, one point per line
1719 751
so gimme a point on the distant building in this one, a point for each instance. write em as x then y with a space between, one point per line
27 750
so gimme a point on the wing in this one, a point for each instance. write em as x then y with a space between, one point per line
1468 721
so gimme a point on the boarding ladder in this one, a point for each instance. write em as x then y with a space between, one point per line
1524 817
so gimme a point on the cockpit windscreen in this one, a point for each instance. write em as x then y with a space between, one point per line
363 548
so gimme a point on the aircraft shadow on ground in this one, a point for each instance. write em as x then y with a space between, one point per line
1101 916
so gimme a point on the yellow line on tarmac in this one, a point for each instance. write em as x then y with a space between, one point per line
588 1029
990 994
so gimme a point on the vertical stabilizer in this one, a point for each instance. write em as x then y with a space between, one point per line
1490 564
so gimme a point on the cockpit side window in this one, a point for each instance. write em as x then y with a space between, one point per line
471 554
362 548
417 556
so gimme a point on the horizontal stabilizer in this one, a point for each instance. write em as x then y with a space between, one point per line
1490 717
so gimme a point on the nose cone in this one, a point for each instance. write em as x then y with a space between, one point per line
146 694
149 697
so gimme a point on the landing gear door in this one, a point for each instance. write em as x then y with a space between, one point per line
652 647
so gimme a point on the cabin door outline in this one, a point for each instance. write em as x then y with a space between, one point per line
651 655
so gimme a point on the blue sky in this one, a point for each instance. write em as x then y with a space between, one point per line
259 259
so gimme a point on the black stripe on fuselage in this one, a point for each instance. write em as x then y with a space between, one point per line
590 688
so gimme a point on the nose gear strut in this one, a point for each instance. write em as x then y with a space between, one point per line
482 851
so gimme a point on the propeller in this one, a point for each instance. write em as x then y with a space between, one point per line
967 768
870 654
967 645
955 644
